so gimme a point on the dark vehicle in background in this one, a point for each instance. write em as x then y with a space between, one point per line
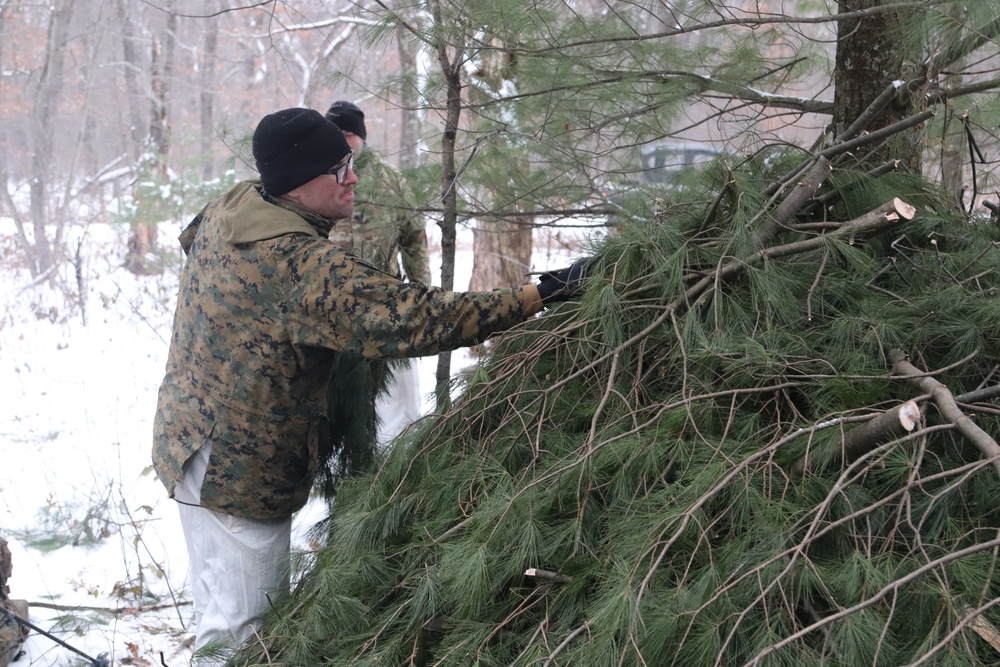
663 169
666 164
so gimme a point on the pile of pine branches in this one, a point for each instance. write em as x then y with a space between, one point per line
765 435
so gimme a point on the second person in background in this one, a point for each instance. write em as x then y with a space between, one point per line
394 241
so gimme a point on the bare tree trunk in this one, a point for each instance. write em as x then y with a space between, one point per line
132 69
5 196
408 118
451 68
501 253
954 138
870 56
207 110
162 71
142 238
46 96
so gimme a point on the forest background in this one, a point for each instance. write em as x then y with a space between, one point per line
504 118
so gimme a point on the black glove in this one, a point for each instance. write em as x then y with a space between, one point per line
565 283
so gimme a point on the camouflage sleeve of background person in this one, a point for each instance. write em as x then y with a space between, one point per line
385 227
413 249
412 234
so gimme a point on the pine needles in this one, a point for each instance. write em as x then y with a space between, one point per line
639 446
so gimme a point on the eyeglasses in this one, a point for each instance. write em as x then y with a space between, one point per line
340 169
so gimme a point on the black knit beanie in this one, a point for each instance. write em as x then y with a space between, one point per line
348 117
294 146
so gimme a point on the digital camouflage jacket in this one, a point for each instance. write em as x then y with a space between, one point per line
264 302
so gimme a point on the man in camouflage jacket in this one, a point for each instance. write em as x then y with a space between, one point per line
265 301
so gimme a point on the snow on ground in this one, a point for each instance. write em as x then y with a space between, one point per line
97 548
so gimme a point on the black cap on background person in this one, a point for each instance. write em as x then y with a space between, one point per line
294 146
348 117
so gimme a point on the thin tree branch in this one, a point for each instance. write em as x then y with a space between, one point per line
877 105
884 427
566 642
114 611
946 403
886 590
759 19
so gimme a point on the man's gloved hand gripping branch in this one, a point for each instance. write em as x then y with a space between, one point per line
564 284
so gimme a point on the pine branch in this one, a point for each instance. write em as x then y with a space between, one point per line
891 587
828 197
843 147
795 200
946 403
884 217
885 426
959 51
976 621
878 135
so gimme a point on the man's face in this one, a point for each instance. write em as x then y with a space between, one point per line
323 195
355 142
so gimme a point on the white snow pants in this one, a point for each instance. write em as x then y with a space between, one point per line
234 563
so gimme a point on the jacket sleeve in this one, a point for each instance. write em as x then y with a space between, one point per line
413 248
338 302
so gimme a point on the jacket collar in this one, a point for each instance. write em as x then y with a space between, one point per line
247 214
321 224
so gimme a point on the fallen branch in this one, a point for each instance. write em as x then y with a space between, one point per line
548 575
882 428
782 214
883 217
115 611
977 395
843 147
946 403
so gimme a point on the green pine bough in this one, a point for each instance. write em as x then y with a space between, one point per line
764 435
